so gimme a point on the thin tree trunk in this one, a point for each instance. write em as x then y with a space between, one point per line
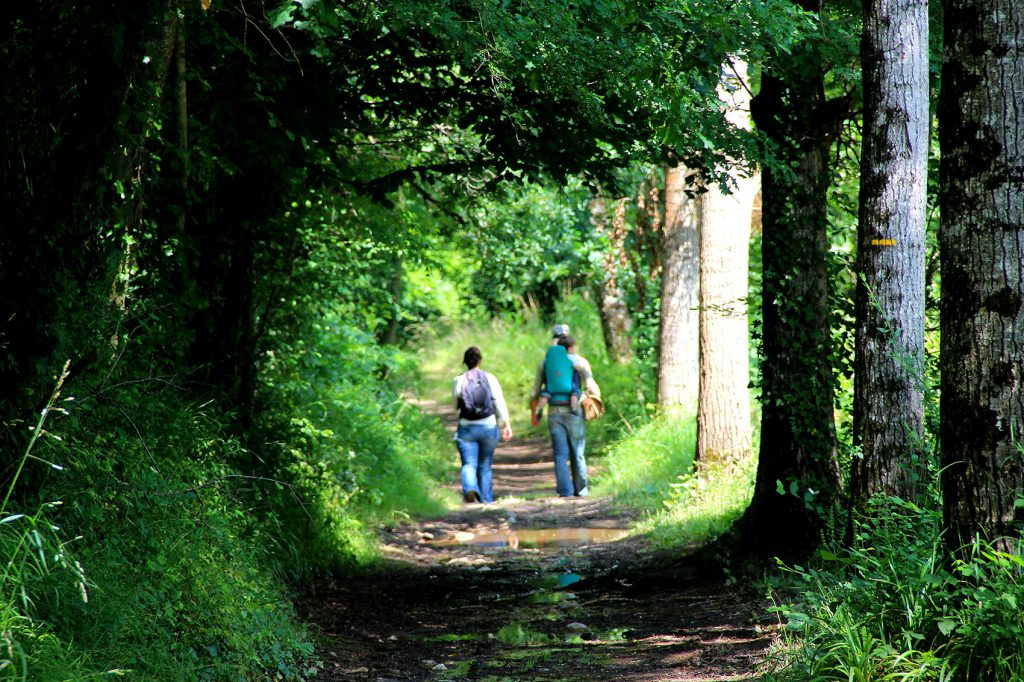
723 411
981 132
395 288
181 101
616 322
889 363
678 341
646 246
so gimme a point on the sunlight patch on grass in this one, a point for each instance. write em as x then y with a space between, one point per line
703 504
643 466
653 470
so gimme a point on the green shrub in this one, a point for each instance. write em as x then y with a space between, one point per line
176 565
895 606
354 452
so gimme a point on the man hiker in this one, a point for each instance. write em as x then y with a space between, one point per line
566 423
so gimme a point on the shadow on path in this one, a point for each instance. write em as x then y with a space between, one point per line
439 607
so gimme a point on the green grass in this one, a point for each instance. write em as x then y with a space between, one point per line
652 469
895 606
644 466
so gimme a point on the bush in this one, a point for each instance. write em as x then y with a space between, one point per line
355 453
895 606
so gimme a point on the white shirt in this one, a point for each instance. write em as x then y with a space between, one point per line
500 408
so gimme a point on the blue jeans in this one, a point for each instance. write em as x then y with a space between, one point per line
569 442
476 443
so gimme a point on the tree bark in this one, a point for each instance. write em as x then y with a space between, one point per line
616 322
798 436
889 362
723 406
181 109
679 333
981 133
395 289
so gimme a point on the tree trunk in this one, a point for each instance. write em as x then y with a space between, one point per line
889 364
181 109
723 410
981 132
678 342
395 288
616 321
798 437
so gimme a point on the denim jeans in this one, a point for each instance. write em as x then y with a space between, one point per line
569 442
476 443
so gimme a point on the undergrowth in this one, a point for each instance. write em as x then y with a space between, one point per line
895 606
652 469
162 547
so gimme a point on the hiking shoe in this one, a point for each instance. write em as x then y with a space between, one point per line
472 497
583 493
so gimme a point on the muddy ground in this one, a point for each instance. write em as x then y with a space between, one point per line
517 607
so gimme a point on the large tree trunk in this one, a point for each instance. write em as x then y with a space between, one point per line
798 438
723 406
981 131
678 342
888 413
616 322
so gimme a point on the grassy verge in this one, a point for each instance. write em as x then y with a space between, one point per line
162 547
652 469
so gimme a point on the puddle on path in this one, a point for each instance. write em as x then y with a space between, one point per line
536 538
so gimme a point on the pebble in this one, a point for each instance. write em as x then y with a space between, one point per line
429 663
439 668
577 627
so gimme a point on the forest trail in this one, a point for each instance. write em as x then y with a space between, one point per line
441 608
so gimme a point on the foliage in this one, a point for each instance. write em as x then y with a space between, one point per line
528 242
177 569
356 452
894 607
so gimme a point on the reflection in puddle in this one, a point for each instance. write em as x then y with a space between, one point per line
538 538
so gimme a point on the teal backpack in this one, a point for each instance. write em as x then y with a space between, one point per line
558 374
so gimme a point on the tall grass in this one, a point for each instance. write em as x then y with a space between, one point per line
33 553
684 502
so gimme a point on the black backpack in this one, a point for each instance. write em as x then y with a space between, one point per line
476 400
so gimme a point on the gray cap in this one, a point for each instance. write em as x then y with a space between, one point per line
561 330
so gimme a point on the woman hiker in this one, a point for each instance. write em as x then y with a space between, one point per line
482 410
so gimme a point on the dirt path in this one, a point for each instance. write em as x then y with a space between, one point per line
437 609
